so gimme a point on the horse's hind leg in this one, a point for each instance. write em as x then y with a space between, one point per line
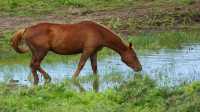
40 57
45 74
35 65
93 59
34 70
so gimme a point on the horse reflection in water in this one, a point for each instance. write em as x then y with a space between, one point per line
95 84
86 37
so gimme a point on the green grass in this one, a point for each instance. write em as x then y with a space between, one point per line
37 7
156 41
157 19
142 95
138 94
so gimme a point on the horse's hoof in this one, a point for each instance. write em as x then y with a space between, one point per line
47 81
35 83
74 78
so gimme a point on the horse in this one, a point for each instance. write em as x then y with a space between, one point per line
86 37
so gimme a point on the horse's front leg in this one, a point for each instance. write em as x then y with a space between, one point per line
85 55
93 59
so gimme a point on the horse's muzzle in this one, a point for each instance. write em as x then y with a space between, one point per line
138 69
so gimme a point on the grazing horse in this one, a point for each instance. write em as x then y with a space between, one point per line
86 37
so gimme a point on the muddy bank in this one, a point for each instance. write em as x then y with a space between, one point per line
126 20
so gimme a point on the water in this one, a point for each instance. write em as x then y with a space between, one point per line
167 66
174 66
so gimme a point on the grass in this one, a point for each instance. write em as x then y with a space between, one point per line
156 20
38 7
138 94
142 95
162 40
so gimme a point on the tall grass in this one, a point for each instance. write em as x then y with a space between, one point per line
37 7
164 40
139 94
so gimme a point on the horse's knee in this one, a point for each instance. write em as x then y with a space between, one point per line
95 70
35 65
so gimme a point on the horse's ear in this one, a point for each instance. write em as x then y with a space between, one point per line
130 45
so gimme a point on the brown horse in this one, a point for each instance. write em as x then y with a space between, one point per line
86 37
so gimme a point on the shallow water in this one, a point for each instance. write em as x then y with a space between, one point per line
168 66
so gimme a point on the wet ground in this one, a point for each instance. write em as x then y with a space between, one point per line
167 66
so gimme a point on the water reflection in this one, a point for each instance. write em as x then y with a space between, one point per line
82 87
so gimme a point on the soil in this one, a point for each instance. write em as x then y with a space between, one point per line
72 15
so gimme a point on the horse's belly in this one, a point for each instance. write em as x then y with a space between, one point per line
67 51
66 46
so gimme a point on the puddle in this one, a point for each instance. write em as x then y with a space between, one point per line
167 66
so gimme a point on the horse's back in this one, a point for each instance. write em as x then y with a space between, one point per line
65 38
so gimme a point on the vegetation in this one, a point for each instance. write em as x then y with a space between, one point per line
138 94
148 24
164 39
37 7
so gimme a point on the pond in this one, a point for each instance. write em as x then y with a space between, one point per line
167 66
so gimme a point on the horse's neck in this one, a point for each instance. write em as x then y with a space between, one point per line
112 40
116 44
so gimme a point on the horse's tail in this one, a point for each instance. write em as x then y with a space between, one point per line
17 40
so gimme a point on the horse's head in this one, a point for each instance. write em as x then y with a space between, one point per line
130 58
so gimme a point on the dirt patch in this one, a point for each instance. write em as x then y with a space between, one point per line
12 23
71 15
